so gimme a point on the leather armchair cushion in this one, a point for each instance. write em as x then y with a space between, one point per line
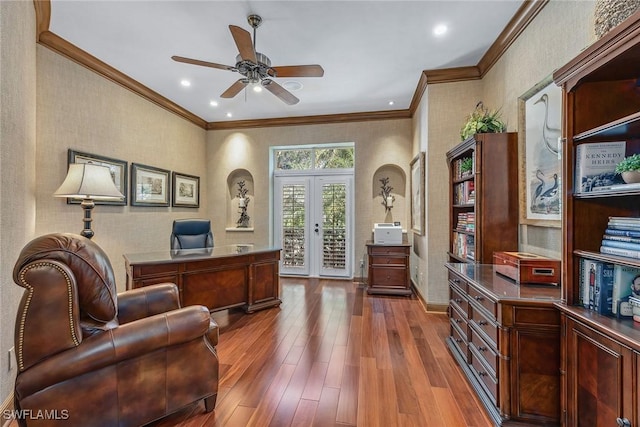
146 301
122 343
90 266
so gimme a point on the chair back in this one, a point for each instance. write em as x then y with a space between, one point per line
191 234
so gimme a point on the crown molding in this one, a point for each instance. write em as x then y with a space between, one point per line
311 120
525 14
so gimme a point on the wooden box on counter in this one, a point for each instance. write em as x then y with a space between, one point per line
524 267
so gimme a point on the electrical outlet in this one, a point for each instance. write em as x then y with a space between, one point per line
12 357
361 263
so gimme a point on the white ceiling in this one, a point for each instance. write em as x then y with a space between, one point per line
372 52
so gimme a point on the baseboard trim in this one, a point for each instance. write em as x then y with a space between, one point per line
7 405
429 306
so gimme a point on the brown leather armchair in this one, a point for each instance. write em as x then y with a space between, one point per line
89 357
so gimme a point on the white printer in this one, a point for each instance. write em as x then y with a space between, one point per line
386 233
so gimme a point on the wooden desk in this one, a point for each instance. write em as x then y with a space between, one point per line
219 278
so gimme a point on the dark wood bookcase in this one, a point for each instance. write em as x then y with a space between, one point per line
601 355
494 179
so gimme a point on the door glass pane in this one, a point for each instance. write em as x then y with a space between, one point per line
293 220
334 226
334 158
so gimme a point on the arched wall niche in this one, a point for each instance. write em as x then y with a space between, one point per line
234 180
397 180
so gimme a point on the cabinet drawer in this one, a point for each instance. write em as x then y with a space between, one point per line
459 319
389 250
388 260
484 376
485 351
479 298
458 299
389 276
459 339
459 282
484 324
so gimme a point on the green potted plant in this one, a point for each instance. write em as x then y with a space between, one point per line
482 120
466 166
629 168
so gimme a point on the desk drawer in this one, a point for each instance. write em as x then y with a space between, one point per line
459 282
459 319
388 260
480 298
389 250
484 376
458 299
459 339
485 351
484 324
388 276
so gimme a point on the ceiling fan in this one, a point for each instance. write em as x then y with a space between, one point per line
255 67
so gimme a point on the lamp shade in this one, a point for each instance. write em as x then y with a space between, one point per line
88 181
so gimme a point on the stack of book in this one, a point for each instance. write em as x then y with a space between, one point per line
464 193
622 237
463 246
466 221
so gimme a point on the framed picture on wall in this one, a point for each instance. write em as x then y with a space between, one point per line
185 190
540 116
117 168
417 194
149 185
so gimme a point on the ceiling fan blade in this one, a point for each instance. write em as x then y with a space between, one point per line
235 88
286 96
299 71
243 41
203 63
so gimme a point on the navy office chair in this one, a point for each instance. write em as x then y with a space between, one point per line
191 234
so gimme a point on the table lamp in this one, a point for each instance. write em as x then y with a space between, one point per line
88 182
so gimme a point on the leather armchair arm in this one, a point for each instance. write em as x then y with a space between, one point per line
124 342
147 301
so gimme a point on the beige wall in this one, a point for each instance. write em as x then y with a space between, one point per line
17 162
377 144
558 33
79 109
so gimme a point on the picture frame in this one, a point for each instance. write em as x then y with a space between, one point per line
185 190
417 194
540 153
118 169
149 186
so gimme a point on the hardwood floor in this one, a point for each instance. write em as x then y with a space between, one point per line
332 355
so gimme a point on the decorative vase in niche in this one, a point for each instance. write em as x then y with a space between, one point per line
631 177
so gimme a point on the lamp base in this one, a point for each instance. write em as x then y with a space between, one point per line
87 206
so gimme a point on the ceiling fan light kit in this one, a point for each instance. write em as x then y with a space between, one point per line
255 67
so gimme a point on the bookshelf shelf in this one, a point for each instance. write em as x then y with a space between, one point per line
601 104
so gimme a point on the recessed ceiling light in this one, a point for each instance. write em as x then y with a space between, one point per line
229 115
440 30
391 102
185 82
214 103
292 85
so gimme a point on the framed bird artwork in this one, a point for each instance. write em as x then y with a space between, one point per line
541 150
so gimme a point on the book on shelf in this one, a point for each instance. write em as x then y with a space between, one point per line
584 283
596 164
596 284
622 232
628 253
621 245
621 238
623 279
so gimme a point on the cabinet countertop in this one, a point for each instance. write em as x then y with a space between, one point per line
500 287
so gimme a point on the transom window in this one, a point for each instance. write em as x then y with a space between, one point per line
314 158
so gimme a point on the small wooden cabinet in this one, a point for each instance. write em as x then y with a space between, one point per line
389 269
506 339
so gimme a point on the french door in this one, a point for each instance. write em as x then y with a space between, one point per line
313 224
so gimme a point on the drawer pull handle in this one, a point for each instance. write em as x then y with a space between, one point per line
482 348
456 280
482 322
478 298
458 340
623 422
458 300
458 320
482 374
